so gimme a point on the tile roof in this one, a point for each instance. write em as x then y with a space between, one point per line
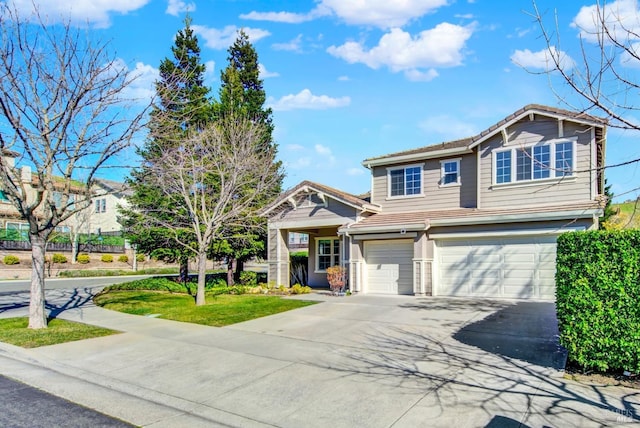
426 217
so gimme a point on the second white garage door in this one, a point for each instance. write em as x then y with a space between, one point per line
510 267
389 266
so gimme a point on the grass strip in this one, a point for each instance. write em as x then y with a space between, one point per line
16 332
219 311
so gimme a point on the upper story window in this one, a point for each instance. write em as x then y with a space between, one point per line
101 205
405 181
449 172
548 160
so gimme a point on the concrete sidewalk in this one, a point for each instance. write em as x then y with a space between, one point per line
367 361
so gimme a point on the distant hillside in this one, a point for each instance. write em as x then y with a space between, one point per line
628 216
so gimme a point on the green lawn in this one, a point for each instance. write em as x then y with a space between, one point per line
15 332
219 311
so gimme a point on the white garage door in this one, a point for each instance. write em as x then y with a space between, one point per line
511 267
389 266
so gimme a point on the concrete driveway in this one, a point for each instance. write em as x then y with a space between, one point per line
368 361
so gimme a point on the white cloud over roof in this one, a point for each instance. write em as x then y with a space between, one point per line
417 56
621 18
542 59
306 100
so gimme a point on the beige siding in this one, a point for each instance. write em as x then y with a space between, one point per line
435 196
314 212
537 193
557 225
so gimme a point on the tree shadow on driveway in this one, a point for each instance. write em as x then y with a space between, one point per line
500 370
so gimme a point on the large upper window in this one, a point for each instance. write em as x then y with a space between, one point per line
532 163
405 181
327 253
450 172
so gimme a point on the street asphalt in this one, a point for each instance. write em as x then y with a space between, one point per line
356 361
23 406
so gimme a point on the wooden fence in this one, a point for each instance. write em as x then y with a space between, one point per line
60 247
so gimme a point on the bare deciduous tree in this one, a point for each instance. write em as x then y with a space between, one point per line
63 115
604 77
212 178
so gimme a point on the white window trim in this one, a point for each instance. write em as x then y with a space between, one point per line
535 181
317 255
404 167
458 182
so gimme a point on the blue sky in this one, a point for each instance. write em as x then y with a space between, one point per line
349 80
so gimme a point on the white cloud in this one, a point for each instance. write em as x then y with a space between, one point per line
542 60
343 78
378 13
629 60
420 76
300 163
79 12
306 100
287 17
143 77
355 171
325 152
222 39
210 71
295 147
439 47
447 127
265 74
176 7
621 18
293 45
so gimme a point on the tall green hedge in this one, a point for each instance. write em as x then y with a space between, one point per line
598 298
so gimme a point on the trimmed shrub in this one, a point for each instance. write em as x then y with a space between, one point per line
140 257
248 278
83 259
107 258
10 259
123 258
299 289
154 284
58 258
597 295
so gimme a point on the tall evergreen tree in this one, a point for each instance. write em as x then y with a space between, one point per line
242 94
182 106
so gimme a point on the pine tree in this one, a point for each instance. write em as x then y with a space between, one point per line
182 106
242 94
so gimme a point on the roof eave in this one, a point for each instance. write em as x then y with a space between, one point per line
368 163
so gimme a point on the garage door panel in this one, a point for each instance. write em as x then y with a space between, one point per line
389 267
522 267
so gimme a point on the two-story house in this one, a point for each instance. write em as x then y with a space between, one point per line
473 217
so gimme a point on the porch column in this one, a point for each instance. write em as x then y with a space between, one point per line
356 266
423 266
278 257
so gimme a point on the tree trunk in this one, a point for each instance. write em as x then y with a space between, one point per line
74 248
231 267
37 316
202 274
239 269
184 270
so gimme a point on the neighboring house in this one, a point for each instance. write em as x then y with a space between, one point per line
472 217
298 241
101 216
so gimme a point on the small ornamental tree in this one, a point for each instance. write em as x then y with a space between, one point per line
337 277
